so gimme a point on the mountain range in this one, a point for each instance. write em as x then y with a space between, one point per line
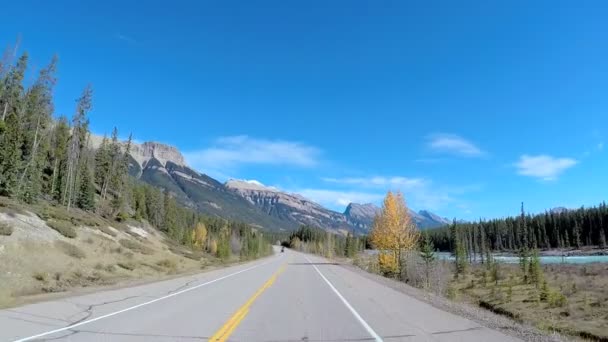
164 166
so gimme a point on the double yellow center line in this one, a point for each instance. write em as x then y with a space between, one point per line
228 328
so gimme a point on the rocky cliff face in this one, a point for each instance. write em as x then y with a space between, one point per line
161 152
290 208
361 215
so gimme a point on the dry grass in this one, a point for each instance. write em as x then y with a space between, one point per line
5 229
70 250
108 231
136 247
575 302
63 227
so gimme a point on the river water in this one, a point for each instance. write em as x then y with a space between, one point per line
543 259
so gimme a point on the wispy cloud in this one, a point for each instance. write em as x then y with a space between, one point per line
378 181
233 151
336 198
543 167
419 192
454 144
125 38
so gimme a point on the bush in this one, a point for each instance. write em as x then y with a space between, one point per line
169 264
62 227
557 300
5 229
127 265
136 247
70 250
40 276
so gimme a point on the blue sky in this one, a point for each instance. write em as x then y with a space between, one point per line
469 108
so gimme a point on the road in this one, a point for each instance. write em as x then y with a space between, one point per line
287 297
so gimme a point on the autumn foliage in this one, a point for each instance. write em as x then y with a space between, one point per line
199 235
393 233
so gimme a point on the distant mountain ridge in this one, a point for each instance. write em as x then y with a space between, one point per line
250 201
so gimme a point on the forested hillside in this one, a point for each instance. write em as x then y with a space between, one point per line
552 229
44 158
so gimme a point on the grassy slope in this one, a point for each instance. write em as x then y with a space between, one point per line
37 259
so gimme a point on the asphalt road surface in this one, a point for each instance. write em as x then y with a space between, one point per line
287 297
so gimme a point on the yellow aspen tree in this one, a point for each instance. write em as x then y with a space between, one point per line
199 235
393 232
213 247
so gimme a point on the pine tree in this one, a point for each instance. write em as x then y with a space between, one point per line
535 269
428 256
524 263
460 256
86 193
10 155
102 167
13 111
77 141
523 228
37 120
602 238
577 235
57 162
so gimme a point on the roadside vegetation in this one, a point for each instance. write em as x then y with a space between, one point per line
569 299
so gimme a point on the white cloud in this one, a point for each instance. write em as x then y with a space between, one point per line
336 198
229 152
125 38
454 144
421 193
543 166
377 181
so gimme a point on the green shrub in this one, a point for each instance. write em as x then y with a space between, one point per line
136 246
70 250
127 265
5 229
122 217
40 276
557 300
62 227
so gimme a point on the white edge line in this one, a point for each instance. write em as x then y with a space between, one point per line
352 310
29 338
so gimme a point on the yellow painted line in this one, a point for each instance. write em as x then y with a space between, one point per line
233 322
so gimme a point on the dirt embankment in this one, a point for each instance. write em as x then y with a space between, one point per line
45 250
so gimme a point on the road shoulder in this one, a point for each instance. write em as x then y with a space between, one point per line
478 315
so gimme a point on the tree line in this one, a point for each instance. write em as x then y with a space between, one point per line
549 230
52 159
318 241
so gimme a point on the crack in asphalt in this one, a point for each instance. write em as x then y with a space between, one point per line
89 308
186 285
455 331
